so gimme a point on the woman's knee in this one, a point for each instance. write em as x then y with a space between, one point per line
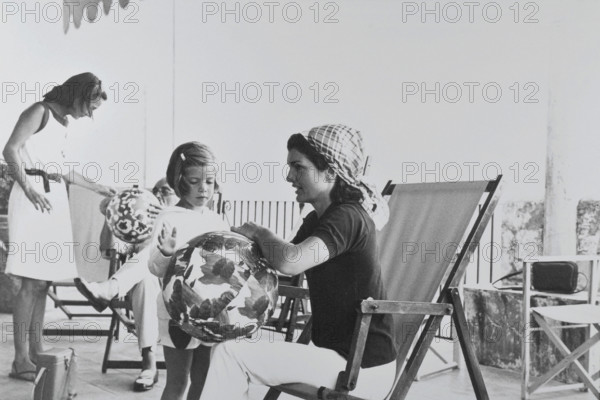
233 352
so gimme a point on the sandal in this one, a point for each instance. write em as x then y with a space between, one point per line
145 381
28 376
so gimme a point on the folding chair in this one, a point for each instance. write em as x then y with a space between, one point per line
433 230
584 315
293 313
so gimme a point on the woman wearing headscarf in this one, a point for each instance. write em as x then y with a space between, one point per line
39 222
336 247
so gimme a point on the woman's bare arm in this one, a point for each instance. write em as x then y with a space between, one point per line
287 258
28 123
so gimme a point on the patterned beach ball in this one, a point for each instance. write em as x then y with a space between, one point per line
219 287
127 215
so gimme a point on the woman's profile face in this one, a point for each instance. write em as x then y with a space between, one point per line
86 109
311 184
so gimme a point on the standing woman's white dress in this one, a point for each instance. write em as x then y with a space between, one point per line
41 244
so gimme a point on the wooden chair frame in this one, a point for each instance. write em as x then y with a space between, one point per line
295 298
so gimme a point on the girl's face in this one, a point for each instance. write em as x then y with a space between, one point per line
312 186
201 186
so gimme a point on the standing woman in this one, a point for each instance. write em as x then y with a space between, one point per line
39 222
336 247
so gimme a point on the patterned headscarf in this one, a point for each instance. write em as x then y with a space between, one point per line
342 147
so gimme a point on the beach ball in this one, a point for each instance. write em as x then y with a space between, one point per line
219 287
127 215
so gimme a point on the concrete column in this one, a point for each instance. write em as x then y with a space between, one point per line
559 205
573 121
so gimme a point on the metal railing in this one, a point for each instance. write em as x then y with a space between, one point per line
282 217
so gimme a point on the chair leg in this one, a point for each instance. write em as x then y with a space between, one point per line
416 359
272 394
570 357
462 330
423 344
110 337
291 328
285 309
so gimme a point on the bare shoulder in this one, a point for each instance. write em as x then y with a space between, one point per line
34 112
28 123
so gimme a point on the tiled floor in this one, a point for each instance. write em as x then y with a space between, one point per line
116 384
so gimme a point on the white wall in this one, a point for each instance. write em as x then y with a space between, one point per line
129 50
368 55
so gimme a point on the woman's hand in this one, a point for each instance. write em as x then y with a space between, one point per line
40 202
167 240
249 229
104 190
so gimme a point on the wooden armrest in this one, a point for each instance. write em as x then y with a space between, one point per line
63 283
404 307
293 291
347 379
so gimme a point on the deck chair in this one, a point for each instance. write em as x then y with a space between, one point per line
87 224
433 230
122 314
552 318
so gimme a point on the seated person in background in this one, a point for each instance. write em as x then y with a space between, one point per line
135 278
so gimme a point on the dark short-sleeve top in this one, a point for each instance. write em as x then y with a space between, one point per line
351 275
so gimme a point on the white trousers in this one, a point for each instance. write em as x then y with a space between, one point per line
135 278
234 365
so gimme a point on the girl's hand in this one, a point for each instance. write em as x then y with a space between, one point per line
167 240
249 229
40 202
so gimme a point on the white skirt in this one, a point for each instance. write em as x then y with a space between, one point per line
40 244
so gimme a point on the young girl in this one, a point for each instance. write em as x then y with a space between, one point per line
192 174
